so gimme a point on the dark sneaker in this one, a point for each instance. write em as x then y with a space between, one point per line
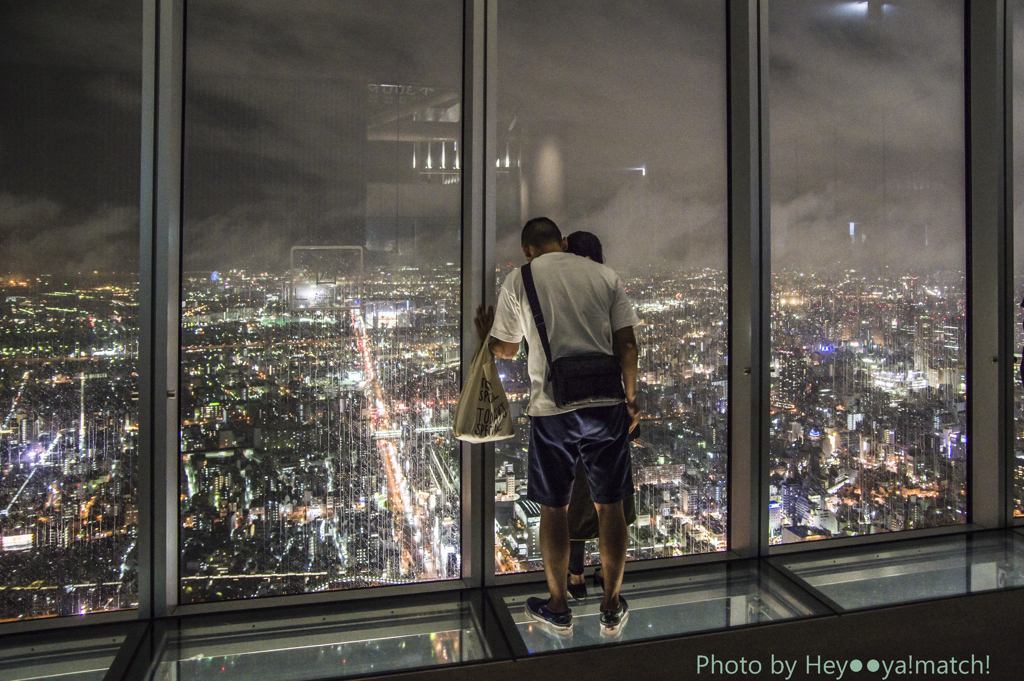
537 608
577 591
612 622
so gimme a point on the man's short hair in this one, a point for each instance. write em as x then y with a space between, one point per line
540 232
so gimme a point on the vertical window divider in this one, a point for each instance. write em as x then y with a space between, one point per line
1008 310
748 271
988 394
476 507
170 57
147 219
488 224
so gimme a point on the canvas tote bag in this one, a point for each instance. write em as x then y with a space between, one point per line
482 414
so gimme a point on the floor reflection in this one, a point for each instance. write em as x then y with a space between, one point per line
854 579
76 656
672 604
331 646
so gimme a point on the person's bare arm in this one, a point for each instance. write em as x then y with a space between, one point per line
483 321
624 347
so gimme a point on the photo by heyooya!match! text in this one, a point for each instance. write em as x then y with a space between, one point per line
838 669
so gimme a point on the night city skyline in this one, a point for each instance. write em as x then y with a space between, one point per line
315 450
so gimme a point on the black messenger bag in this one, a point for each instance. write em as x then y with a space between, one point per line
577 378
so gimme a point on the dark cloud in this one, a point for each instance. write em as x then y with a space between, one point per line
37 234
866 122
630 98
867 126
278 107
327 40
640 226
70 127
89 35
19 212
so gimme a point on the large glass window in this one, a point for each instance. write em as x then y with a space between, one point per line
320 296
70 117
612 120
868 332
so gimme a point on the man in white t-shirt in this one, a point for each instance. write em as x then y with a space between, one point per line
585 310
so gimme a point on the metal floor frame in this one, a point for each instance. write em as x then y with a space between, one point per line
464 629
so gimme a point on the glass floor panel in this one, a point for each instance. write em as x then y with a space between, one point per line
854 579
84 655
307 645
671 603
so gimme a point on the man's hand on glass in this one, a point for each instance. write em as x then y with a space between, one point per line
483 321
634 414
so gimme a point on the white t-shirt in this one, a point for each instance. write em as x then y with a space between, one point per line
583 303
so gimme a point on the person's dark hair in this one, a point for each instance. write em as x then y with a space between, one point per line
586 245
540 232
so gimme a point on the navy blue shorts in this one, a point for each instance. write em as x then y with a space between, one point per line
597 434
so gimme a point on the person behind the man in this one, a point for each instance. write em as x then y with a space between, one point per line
585 310
583 520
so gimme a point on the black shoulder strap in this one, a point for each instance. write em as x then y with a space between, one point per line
538 316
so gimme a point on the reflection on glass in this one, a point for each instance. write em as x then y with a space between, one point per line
301 648
918 571
70 118
1018 260
699 600
320 296
83 656
613 122
868 309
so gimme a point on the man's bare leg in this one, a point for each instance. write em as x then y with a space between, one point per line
554 549
612 543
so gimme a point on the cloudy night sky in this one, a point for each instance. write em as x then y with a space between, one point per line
866 114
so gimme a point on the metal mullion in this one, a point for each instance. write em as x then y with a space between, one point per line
764 283
148 651
1009 302
806 587
130 648
488 225
473 470
987 349
768 567
747 259
507 625
167 294
147 192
